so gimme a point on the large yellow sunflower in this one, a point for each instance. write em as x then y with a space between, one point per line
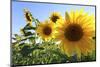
75 33
55 16
28 16
46 30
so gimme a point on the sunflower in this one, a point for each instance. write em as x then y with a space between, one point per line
75 33
28 16
55 16
46 30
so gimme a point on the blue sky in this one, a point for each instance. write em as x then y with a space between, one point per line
40 11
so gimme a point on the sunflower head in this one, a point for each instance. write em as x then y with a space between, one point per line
28 16
46 30
75 33
55 16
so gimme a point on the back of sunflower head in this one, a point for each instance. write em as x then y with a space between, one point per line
28 16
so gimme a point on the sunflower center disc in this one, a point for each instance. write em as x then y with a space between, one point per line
47 30
54 18
73 32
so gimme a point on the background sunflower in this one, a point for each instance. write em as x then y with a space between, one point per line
28 16
46 30
55 16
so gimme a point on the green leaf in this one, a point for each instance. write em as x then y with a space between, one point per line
24 39
21 44
13 38
17 37
28 27
37 20
31 38
28 33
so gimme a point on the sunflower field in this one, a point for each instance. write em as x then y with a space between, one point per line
59 39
